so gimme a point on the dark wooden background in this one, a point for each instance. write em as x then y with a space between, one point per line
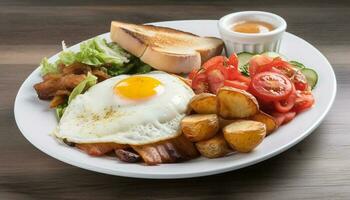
317 168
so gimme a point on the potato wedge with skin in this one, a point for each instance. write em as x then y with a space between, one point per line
204 103
244 135
233 103
268 120
200 127
215 147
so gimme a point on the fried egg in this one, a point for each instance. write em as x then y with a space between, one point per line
127 109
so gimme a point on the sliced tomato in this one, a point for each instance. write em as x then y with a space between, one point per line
303 101
256 61
267 64
200 83
286 105
289 116
220 67
242 78
236 84
283 118
284 68
215 80
270 86
193 73
233 60
279 118
300 81
216 60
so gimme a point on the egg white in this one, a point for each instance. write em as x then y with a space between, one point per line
99 115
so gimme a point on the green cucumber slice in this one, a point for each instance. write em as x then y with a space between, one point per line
297 64
243 62
311 76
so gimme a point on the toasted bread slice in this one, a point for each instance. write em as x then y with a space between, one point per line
165 49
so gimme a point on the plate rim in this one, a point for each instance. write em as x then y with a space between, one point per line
273 153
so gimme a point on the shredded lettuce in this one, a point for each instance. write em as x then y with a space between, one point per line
67 57
47 67
89 81
95 52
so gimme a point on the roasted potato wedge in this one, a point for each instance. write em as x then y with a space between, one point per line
200 127
234 103
215 147
268 120
244 135
204 103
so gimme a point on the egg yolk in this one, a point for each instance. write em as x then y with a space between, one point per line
138 87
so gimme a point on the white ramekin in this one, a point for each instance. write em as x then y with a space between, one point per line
236 42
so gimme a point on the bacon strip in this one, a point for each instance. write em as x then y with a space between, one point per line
47 89
99 149
76 68
169 151
101 75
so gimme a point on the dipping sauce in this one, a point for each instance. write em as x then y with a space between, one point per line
252 27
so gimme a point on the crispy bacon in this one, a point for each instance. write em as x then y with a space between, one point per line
76 68
47 89
99 149
127 155
169 151
101 75
57 100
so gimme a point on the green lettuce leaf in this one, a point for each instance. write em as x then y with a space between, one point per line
67 57
89 81
98 52
46 67
60 110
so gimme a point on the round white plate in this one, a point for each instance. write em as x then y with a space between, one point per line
36 120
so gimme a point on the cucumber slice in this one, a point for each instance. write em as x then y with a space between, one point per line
243 58
272 54
311 76
297 64
243 62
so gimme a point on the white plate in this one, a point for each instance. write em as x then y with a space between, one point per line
36 120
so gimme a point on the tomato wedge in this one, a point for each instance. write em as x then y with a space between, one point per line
216 60
304 100
289 116
233 60
270 86
193 73
257 61
199 82
215 80
236 84
283 118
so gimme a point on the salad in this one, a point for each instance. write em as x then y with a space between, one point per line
282 88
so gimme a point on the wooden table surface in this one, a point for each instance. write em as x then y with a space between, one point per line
316 168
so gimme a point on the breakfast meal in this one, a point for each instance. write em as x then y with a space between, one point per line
159 95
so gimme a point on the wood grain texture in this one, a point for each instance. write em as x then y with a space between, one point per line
316 168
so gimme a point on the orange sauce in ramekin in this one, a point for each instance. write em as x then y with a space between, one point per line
252 27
